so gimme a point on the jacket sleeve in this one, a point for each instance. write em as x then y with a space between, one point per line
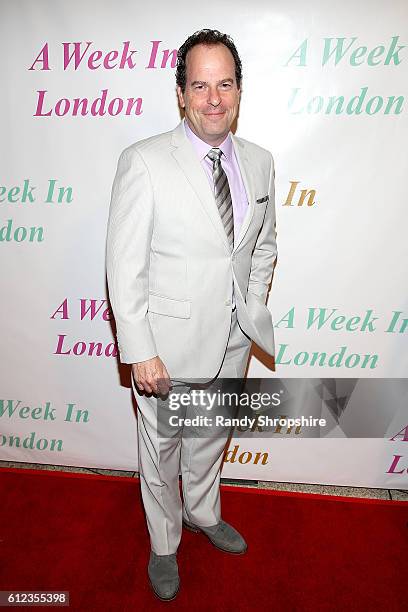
265 251
129 233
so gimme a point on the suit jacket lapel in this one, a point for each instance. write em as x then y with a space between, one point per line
247 177
190 164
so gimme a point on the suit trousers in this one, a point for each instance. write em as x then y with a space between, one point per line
198 458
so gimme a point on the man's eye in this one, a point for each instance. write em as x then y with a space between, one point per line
226 85
199 87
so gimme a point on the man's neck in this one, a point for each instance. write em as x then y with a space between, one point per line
216 143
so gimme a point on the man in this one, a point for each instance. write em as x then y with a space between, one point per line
190 254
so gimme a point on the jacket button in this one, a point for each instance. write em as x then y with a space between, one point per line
228 302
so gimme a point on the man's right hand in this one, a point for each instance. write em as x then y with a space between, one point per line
151 376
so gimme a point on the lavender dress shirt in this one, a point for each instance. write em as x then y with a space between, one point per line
230 165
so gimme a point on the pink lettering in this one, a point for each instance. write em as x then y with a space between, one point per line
83 106
405 435
76 53
91 308
93 58
40 101
87 349
394 464
126 58
42 58
110 57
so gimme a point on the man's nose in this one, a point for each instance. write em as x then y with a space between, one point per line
214 96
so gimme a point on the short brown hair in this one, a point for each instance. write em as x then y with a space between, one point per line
206 37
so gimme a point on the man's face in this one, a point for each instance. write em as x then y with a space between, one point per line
211 97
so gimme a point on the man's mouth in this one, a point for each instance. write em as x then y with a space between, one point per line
214 114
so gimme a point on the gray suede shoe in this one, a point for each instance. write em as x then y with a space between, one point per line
222 535
163 574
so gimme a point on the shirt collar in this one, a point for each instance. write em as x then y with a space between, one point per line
202 148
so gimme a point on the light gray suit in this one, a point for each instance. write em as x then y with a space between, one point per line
170 276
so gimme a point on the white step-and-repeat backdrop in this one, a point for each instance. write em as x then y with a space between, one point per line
324 90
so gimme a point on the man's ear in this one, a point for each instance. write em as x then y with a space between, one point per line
180 97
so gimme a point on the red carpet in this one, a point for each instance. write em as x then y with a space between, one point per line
86 534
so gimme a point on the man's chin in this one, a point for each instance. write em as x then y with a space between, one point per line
216 129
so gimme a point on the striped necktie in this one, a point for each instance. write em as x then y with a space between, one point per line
222 194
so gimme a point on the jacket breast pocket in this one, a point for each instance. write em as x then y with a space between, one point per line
169 307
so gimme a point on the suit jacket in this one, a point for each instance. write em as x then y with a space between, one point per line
169 266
